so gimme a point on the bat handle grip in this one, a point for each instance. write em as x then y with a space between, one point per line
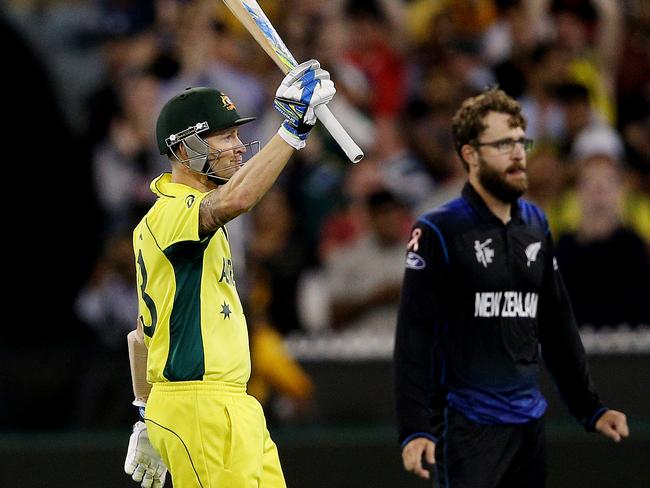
334 127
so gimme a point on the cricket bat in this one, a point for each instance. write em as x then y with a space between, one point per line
250 14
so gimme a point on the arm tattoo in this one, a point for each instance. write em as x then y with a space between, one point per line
208 221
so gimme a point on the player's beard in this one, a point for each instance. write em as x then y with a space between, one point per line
499 185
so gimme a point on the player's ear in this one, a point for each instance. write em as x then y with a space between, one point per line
469 154
177 153
181 152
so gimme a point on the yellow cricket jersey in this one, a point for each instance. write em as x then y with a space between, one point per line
193 321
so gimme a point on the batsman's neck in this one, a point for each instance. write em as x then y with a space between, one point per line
184 176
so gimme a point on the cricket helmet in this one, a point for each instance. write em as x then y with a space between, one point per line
194 113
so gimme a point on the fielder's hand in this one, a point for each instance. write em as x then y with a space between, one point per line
613 424
302 90
143 462
414 452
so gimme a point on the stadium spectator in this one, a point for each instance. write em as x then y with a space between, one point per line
584 127
633 93
380 62
547 68
348 221
364 278
591 31
588 136
605 265
126 161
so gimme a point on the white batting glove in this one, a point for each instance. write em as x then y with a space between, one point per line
143 462
303 89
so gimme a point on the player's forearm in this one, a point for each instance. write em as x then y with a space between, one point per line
246 187
138 362
566 361
414 380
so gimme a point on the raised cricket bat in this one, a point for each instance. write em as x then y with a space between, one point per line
252 17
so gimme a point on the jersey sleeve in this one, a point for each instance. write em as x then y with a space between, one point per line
419 391
176 220
562 347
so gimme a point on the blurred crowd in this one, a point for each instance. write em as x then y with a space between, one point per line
323 252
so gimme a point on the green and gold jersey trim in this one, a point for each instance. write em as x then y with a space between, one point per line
185 361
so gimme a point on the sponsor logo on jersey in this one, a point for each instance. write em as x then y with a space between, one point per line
484 253
189 201
531 252
505 304
415 261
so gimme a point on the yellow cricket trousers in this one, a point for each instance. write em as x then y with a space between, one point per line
212 435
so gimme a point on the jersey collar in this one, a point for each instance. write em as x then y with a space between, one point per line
163 186
481 208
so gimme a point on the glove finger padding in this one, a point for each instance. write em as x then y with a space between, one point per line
161 472
322 95
148 479
302 88
298 72
132 455
143 462
138 474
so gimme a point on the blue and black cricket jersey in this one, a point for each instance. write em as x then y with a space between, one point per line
482 302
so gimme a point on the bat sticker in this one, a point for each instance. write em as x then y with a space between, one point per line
269 32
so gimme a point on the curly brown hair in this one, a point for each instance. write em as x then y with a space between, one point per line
467 124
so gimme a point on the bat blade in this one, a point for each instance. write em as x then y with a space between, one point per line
283 57
253 18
